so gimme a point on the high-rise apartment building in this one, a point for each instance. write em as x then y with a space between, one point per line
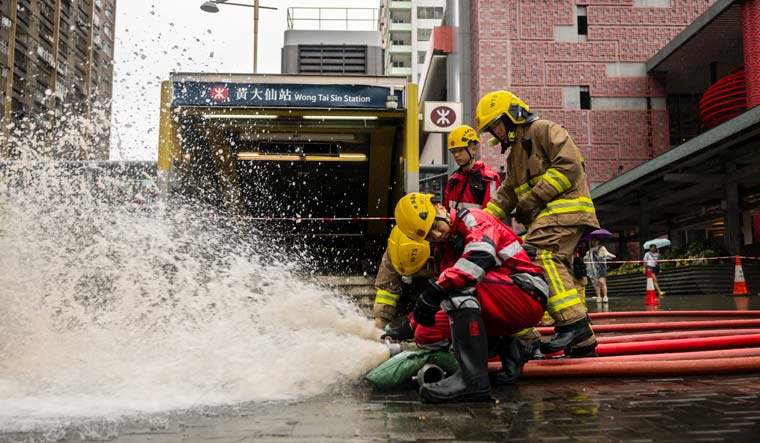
56 53
406 27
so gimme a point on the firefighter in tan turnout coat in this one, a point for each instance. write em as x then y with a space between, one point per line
546 186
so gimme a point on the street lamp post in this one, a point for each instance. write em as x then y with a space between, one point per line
213 7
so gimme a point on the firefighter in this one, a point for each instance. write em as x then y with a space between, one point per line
488 286
473 184
470 186
546 186
403 260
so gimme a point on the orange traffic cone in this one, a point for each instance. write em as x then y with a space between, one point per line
651 299
740 286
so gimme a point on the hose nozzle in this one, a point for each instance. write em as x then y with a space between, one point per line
393 348
429 373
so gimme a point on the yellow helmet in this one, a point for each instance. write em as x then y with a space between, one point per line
461 137
496 104
415 214
407 256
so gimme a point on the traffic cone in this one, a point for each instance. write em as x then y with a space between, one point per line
740 285
651 299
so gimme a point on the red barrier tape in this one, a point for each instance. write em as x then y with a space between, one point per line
663 260
300 219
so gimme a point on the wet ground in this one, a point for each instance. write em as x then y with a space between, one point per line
673 409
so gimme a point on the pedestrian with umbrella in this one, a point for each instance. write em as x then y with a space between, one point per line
652 258
596 263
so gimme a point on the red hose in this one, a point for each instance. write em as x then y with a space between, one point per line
589 367
692 355
674 334
675 345
596 315
699 324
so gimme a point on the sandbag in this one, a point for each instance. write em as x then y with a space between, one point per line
397 372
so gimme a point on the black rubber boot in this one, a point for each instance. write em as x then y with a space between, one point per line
584 351
566 336
514 354
470 382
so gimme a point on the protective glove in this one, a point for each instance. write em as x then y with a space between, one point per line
528 208
402 333
428 303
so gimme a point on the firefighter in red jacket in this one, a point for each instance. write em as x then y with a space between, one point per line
470 186
473 184
546 186
488 286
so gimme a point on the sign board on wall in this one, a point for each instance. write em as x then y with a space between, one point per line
442 116
209 94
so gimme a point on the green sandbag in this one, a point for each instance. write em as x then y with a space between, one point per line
397 372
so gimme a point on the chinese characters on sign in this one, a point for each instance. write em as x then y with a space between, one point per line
282 95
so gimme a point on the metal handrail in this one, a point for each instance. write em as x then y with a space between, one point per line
347 20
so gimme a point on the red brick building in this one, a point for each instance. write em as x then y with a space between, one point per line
581 63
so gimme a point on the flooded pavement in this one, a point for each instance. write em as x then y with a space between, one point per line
722 408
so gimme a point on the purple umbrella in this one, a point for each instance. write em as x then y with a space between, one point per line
599 233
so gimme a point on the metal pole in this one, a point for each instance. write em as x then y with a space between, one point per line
255 34
9 81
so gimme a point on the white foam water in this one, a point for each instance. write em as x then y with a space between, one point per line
109 308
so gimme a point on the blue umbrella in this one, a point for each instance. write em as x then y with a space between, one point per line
659 242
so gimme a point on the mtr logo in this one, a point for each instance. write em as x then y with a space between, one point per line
219 93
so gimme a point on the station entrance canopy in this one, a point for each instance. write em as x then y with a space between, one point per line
314 159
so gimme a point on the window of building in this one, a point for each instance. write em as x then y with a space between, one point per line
423 34
421 56
429 12
582 21
585 98
398 64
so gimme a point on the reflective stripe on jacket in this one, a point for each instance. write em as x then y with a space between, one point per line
472 189
490 247
545 160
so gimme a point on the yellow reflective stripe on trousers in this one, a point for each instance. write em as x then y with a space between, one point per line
550 269
557 180
386 298
496 211
564 206
563 300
